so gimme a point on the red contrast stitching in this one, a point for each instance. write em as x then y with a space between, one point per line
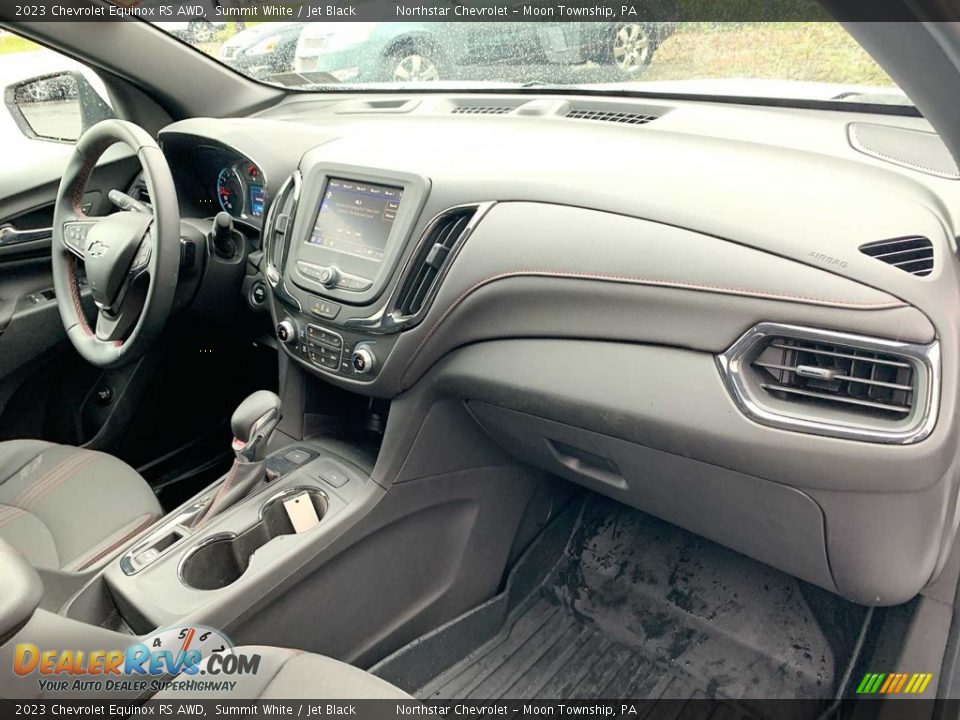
9 512
75 297
89 162
604 277
223 488
32 495
150 519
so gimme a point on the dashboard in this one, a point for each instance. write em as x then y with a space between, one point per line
740 300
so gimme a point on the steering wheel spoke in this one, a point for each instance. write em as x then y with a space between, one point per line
138 272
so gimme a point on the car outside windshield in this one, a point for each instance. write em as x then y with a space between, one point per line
815 61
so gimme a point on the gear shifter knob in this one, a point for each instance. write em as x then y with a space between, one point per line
253 423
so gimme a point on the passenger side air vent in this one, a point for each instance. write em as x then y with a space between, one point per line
481 110
829 383
440 242
624 118
277 227
911 254
832 375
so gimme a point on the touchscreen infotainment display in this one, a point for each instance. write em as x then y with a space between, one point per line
355 218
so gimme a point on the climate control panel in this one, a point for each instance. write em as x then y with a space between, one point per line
329 350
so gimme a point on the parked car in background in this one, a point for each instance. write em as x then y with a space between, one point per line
195 30
416 52
263 50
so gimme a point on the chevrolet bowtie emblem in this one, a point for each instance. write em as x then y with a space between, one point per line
97 249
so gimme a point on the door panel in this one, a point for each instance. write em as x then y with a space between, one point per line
32 339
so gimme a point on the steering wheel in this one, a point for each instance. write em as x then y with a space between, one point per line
131 257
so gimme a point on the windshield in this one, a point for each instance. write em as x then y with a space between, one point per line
793 61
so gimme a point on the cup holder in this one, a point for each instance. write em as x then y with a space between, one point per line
223 558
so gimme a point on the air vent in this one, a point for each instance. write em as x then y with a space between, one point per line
828 383
860 381
481 110
440 241
624 118
911 254
277 226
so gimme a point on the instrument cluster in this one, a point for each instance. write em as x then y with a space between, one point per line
241 190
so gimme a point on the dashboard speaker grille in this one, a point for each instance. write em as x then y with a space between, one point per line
911 254
624 118
852 379
440 241
914 149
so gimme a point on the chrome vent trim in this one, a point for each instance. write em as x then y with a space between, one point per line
435 252
834 384
624 118
277 225
392 318
481 110
912 254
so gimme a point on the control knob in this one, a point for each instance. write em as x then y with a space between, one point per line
329 276
363 360
286 332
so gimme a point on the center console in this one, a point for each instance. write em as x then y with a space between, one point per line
239 553
334 238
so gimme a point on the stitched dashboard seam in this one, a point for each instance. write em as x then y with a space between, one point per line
652 282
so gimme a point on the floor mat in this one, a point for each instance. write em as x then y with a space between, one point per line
618 604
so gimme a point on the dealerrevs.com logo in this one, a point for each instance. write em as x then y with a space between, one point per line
191 658
894 683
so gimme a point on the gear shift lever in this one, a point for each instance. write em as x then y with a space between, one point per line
253 423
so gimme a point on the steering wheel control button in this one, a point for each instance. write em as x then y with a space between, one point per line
286 332
324 309
363 360
75 235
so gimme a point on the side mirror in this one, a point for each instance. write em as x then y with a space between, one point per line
59 107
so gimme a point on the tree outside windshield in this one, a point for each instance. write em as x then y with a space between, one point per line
795 60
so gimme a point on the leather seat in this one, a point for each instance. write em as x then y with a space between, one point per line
295 675
67 508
